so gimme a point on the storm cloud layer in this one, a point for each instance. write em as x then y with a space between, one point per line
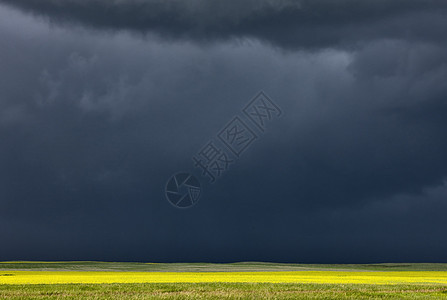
286 23
102 101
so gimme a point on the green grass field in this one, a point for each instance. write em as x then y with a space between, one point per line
104 280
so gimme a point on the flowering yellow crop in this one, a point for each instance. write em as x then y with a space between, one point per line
327 277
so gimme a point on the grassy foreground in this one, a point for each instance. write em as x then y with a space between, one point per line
74 280
221 291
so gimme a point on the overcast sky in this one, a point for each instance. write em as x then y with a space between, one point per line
101 102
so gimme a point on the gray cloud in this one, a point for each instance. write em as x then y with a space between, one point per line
286 23
94 122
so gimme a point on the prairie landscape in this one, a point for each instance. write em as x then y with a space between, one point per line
223 149
245 280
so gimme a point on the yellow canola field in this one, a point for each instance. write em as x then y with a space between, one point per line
325 277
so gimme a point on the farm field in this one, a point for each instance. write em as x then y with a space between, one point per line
102 280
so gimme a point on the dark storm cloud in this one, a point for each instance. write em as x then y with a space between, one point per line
287 23
92 125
